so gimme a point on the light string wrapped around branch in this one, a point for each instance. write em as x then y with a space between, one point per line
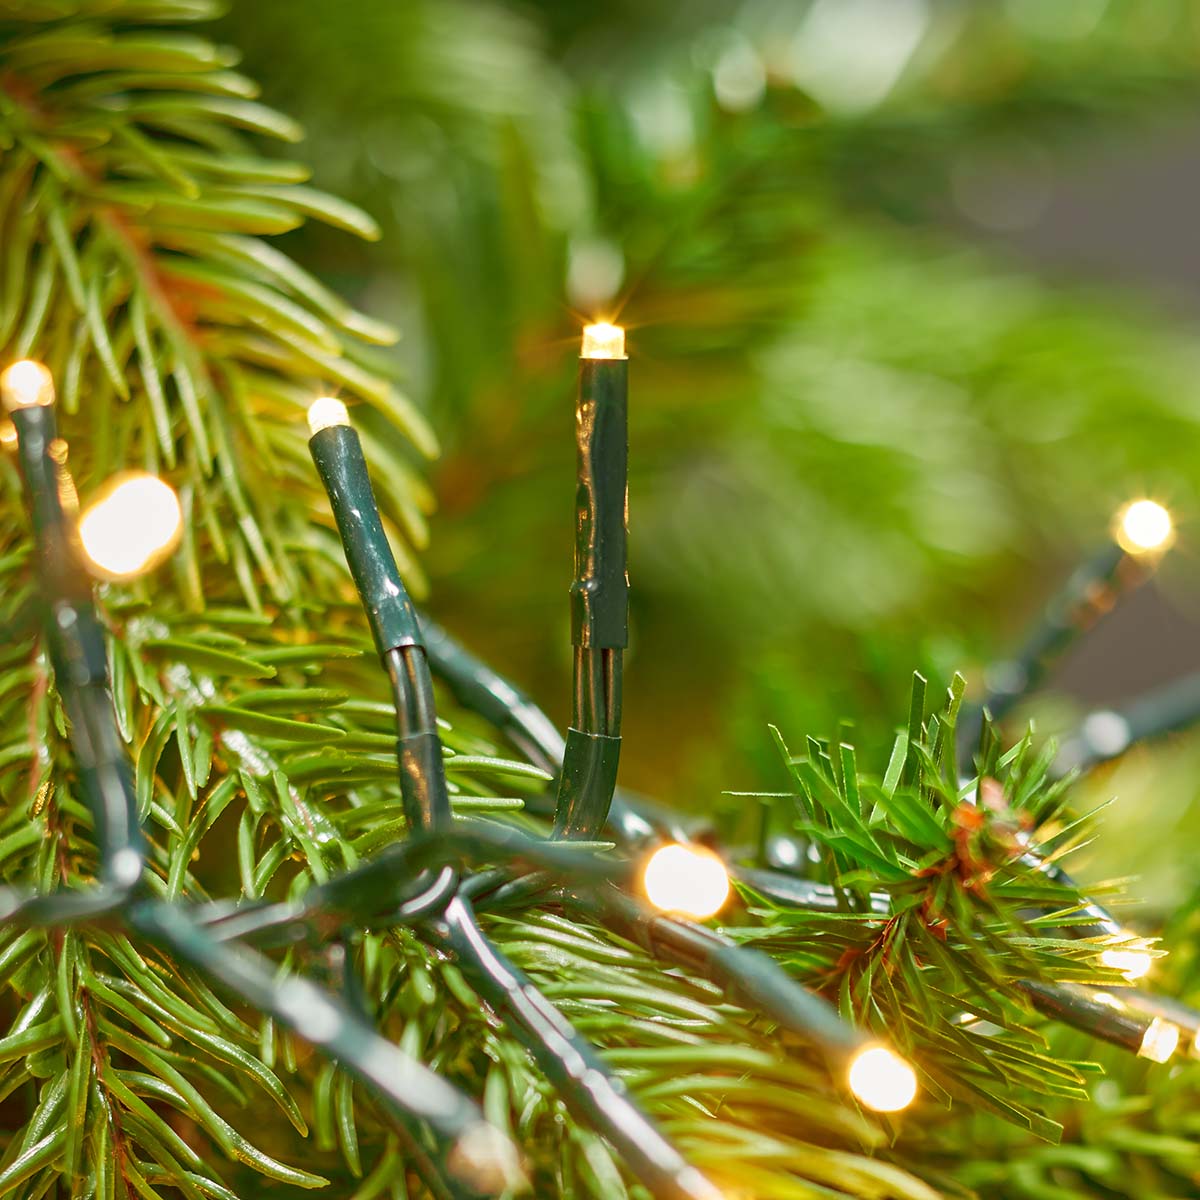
417 883
668 937
591 1091
587 761
443 1129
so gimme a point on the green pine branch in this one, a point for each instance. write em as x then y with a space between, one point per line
135 213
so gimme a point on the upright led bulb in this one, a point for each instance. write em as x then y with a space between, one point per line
26 384
132 527
325 412
689 880
603 341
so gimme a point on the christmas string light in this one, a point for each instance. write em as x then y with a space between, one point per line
603 341
882 1080
26 384
1160 1041
418 1098
134 525
1133 964
878 1076
600 590
1102 1016
747 977
337 453
784 889
394 887
1084 1009
1142 532
1168 1009
74 633
1144 527
415 1096
690 881
632 822
589 1088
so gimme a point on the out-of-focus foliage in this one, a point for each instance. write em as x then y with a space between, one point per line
854 438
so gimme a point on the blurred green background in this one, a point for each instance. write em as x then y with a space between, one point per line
910 286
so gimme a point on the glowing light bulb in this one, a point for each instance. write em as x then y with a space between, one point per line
1144 527
26 384
686 879
882 1080
8 434
603 341
133 526
484 1158
1159 1041
325 412
1133 964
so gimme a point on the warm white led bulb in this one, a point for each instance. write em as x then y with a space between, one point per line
132 526
1160 1041
882 1080
326 412
486 1160
689 880
1144 527
1133 964
26 384
603 341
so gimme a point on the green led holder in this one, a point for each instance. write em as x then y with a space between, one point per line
62 577
589 775
600 592
77 651
337 453
423 780
338 456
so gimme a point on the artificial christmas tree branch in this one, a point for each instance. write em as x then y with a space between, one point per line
263 745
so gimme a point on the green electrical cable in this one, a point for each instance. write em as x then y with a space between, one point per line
591 1091
1081 1008
748 977
632 821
